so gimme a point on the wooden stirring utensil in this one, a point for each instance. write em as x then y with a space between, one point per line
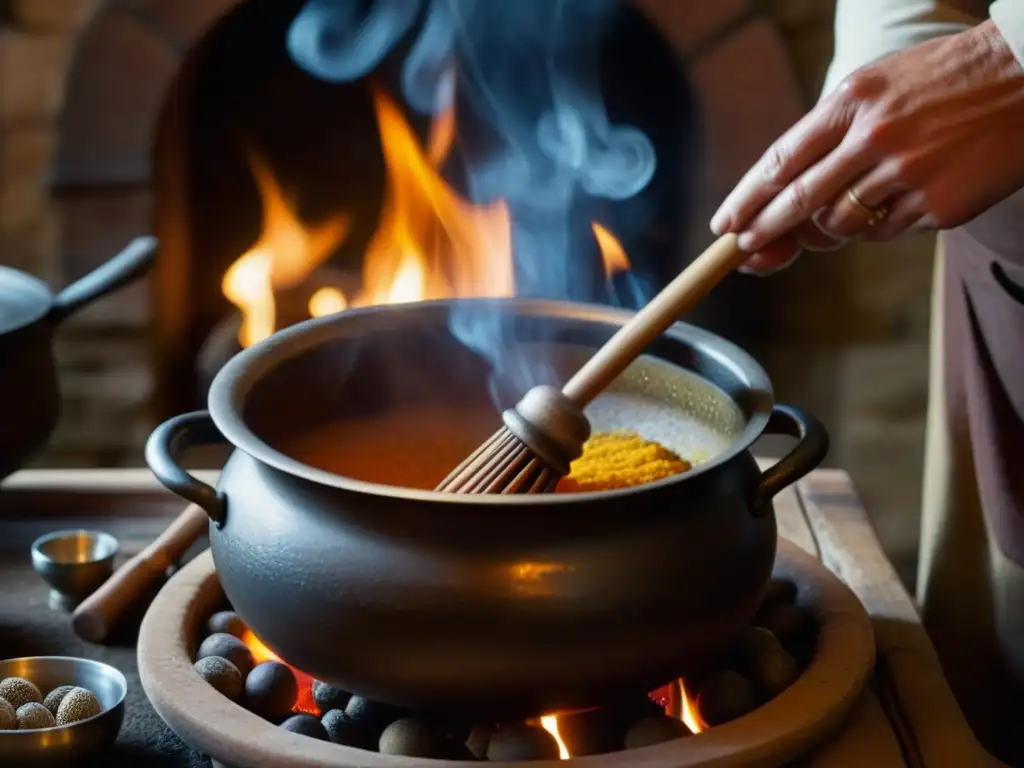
546 430
93 619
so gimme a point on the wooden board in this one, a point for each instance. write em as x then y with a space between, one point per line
908 679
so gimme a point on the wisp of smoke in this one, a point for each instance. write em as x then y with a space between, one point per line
529 71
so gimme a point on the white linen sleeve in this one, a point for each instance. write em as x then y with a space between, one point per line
867 30
1008 16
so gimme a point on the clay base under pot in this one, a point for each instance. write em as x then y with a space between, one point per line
776 733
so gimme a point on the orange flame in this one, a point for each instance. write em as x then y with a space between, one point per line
260 654
689 713
550 724
431 243
285 254
327 301
612 253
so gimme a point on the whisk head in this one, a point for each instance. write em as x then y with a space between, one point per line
504 464
530 454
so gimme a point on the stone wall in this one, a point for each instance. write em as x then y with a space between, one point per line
102 358
848 336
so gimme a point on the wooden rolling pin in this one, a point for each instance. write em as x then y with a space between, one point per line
98 613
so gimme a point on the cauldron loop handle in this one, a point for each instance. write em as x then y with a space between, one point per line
808 453
169 441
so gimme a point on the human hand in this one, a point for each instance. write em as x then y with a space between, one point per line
927 138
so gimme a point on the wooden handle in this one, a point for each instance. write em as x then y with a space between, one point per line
678 297
95 616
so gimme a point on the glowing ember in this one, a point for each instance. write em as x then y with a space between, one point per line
261 653
689 714
550 724
326 301
612 253
285 254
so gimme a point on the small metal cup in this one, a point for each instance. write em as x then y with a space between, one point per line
74 564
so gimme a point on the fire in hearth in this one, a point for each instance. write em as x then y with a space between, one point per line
550 724
285 255
260 653
430 244
760 664
688 711
674 697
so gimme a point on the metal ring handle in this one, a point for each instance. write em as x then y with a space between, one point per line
803 459
164 446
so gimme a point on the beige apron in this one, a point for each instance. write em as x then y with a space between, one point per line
970 578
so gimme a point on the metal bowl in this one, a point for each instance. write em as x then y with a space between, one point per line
74 563
65 744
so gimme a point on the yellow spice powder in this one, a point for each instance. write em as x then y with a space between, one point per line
620 460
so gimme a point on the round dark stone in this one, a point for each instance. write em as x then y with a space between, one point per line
753 641
227 623
271 691
522 742
772 672
227 647
780 591
593 732
478 739
597 731
222 675
724 696
342 729
413 737
373 716
305 725
455 727
792 625
327 697
459 751
655 730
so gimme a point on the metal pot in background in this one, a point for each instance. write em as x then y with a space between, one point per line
29 314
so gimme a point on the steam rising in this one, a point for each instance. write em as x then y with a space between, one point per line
528 71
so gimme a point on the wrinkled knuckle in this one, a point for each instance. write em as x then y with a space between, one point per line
799 197
901 169
862 85
879 135
774 165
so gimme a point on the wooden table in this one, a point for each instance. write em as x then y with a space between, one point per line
907 718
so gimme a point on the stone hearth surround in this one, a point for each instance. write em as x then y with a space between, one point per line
849 338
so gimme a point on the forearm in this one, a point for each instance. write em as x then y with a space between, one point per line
867 30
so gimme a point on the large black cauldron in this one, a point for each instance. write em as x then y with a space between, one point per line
510 605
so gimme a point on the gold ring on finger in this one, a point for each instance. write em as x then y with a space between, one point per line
874 215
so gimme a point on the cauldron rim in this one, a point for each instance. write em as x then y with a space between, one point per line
240 375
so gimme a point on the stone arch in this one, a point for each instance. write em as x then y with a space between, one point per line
127 54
